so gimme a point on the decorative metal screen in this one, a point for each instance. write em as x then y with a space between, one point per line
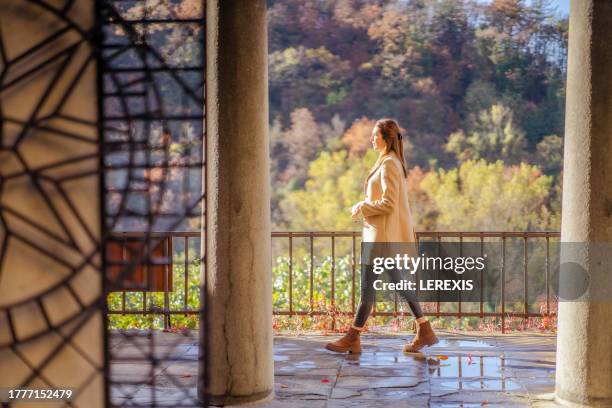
152 79
101 153
51 309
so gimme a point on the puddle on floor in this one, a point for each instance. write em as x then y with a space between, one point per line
471 373
501 385
439 363
305 364
378 358
466 366
463 344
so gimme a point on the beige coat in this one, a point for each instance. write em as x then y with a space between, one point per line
386 211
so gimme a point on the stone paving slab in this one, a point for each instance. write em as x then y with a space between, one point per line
382 370
419 389
463 370
304 388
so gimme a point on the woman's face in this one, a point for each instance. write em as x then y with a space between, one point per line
377 141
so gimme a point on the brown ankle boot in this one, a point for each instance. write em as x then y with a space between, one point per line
425 337
350 342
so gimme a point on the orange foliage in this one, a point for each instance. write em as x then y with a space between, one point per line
357 137
423 209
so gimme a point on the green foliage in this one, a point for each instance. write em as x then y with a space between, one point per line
155 301
326 313
493 136
322 276
549 154
301 76
489 196
335 183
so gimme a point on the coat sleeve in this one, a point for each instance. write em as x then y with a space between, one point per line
390 177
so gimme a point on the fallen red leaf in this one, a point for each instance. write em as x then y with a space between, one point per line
325 380
485 402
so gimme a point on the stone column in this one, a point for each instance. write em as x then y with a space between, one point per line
239 363
584 351
51 321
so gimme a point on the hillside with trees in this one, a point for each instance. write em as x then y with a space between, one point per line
478 87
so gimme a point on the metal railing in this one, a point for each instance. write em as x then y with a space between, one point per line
180 244
182 241
502 236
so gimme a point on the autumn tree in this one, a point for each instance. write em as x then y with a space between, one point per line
302 142
357 137
481 196
494 135
549 154
335 183
312 77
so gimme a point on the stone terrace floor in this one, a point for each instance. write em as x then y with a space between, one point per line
463 370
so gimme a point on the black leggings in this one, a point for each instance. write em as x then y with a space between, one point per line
368 297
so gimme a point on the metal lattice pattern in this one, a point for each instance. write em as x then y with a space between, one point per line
50 281
75 168
152 75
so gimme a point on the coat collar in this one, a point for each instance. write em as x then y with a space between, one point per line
376 166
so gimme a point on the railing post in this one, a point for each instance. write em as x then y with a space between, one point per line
167 325
144 302
290 274
311 272
416 273
481 280
547 266
460 254
526 278
353 266
333 279
147 259
124 256
439 239
186 273
503 284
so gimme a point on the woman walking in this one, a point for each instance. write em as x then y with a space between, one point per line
387 218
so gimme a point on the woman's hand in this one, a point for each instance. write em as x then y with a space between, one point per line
356 210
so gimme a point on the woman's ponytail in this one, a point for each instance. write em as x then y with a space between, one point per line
393 138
